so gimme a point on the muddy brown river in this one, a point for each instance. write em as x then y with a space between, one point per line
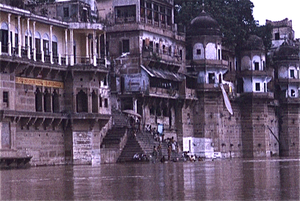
237 179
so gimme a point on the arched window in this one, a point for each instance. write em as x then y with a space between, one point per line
82 103
38 100
46 47
47 101
94 102
55 101
54 48
38 46
4 36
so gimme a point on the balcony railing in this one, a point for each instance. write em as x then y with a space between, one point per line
40 56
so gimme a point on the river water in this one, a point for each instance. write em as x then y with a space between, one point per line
237 179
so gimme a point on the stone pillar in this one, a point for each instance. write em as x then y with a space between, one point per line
94 48
66 46
86 46
105 58
72 47
99 46
50 44
19 37
28 39
33 41
90 102
9 35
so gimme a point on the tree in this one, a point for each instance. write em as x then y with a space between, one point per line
235 18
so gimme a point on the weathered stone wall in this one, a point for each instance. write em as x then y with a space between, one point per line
255 133
289 134
45 146
231 138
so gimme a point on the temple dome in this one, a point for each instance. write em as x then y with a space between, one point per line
254 43
286 51
204 24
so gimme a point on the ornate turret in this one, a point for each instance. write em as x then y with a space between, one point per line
204 24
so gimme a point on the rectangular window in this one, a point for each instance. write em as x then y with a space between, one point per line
54 49
46 47
66 12
257 86
105 102
256 66
125 46
211 78
105 81
277 36
5 98
292 73
100 101
198 51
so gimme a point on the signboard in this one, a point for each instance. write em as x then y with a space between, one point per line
160 129
39 82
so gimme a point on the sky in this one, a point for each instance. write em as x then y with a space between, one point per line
276 10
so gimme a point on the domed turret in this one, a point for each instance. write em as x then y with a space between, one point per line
204 24
254 43
286 51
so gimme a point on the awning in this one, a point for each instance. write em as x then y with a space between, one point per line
131 112
163 74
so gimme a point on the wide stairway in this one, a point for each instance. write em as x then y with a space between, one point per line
142 143
113 137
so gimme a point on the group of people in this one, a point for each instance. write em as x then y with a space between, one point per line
172 148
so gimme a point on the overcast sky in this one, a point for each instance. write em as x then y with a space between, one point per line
277 10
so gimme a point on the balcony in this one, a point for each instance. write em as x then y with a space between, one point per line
208 87
40 58
163 93
258 95
290 100
259 73
288 80
164 57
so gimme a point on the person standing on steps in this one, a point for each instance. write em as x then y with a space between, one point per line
154 154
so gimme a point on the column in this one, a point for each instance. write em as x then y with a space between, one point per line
94 48
66 46
9 35
90 101
86 46
72 47
50 44
19 36
28 40
135 104
105 63
33 41
99 46
42 49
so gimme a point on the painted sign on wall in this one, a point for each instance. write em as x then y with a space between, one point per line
39 82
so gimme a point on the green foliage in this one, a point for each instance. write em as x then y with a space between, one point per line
234 17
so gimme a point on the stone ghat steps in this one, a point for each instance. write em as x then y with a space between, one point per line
113 137
147 142
131 148
119 119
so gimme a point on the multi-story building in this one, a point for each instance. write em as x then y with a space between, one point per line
147 56
54 92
